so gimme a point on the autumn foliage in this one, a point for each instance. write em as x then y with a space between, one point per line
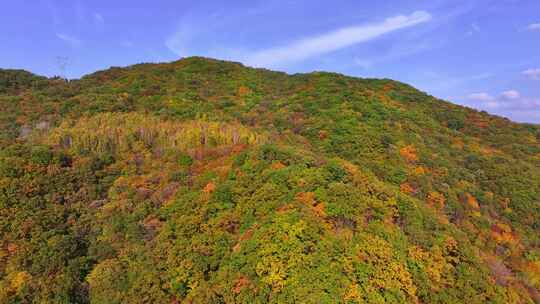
204 181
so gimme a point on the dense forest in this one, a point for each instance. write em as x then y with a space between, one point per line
204 181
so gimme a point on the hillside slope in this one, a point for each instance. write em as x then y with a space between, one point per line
204 181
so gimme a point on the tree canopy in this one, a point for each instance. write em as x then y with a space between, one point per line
204 181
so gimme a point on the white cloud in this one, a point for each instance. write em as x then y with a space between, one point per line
532 74
127 43
182 42
333 41
474 29
483 97
507 103
524 109
533 27
484 100
72 41
99 20
511 95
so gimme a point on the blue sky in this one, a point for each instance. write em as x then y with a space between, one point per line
484 54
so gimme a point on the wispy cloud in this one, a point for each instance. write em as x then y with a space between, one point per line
474 29
510 95
492 101
99 21
127 43
54 12
445 83
421 40
302 49
80 11
333 41
521 104
534 27
363 63
533 74
482 97
509 101
398 51
71 40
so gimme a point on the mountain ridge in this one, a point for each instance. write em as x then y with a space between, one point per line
193 59
205 181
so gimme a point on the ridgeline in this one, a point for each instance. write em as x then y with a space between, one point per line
204 181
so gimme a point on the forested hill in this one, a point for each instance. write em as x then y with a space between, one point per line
204 181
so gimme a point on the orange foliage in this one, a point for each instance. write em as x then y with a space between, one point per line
534 266
323 134
440 172
12 248
319 209
417 253
350 168
489 195
438 261
471 201
435 199
384 99
388 87
457 143
243 91
246 235
407 188
209 188
277 165
240 284
238 148
19 280
502 233
308 198
353 294
488 151
420 170
152 223
237 248
478 121
504 202
409 153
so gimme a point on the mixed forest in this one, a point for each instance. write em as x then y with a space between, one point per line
204 181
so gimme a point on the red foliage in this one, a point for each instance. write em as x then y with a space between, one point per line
209 188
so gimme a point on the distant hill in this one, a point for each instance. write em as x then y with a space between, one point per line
205 181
